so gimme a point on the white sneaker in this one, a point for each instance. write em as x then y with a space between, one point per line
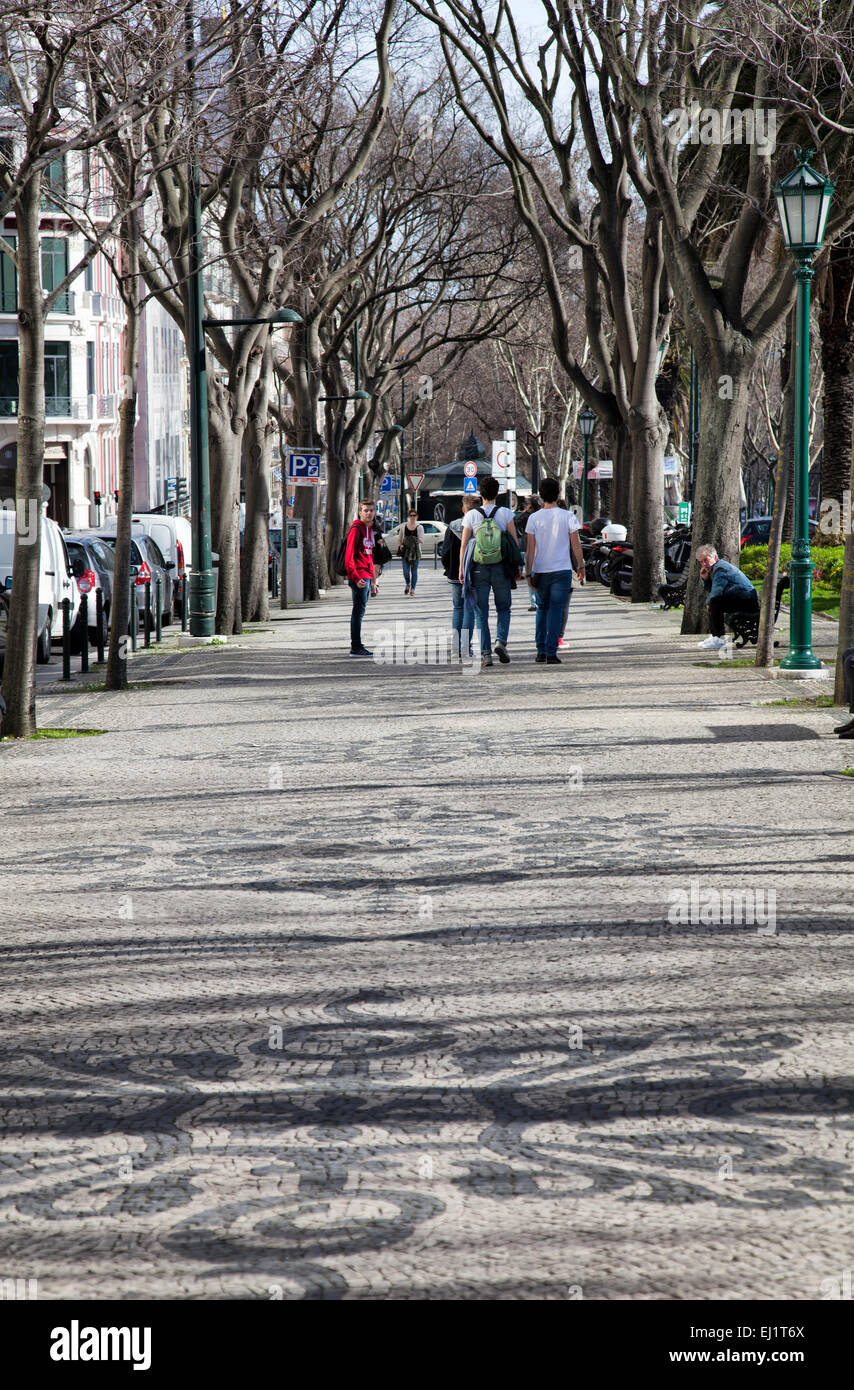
712 644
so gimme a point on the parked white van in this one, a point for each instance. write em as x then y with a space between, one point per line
173 535
56 582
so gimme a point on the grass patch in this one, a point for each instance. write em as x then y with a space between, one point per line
99 687
55 733
739 661
807 702
847 772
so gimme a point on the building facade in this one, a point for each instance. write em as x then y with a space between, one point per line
84 339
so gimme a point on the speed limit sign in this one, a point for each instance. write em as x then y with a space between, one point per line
470 469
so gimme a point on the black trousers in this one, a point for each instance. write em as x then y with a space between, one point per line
730 603
848 676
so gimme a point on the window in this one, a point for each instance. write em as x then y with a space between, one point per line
8 378
7 155
57 378
8 280
53 184
55 269
88 281
90 369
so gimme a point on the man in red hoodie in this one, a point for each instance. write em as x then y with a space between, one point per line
359 564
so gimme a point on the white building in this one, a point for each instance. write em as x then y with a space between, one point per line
84 366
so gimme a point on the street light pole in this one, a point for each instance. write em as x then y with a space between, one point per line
803 201
587 424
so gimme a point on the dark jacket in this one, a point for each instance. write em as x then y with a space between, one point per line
728 581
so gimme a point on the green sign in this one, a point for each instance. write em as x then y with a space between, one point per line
684 513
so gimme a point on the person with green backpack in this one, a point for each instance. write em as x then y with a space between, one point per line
495 563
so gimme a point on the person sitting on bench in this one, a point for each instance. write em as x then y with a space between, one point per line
730 592
847 730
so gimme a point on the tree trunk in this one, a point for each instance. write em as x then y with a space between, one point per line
716 491
255 603
648 441
117 666
19 675
336 497
836 321
621 486
782 508
225 506
846 615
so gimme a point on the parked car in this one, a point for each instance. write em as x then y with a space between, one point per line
757 530
434 534
173 535
147 562
93 564
56 581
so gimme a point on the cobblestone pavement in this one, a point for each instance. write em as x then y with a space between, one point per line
332 979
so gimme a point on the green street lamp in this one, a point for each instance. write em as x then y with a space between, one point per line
803 202
587 424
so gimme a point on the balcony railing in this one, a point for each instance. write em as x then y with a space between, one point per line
107 406
8 302
55 407
8 405
65 303
61 406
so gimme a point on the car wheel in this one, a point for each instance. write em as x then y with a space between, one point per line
77 636
43 644
105 629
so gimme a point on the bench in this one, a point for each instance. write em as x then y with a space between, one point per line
744 626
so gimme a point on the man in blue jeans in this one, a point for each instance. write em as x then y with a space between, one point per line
549 534
489 577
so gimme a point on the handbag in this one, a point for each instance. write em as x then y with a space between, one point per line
383 554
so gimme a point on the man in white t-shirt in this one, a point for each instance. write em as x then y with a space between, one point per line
549 535
489 577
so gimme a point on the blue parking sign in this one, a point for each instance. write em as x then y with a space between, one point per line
303 466
469 484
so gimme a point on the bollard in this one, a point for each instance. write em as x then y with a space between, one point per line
84 631
99 620
185 605
275 576
66 639
134 617
148 612
158 618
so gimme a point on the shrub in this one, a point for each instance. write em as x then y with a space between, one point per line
827 560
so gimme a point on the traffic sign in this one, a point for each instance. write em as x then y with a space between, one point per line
415 480
470 469
684 513
469 484
303 466
390 483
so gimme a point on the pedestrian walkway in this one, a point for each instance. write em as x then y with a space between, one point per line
336 979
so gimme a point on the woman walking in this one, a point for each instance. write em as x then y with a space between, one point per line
410 538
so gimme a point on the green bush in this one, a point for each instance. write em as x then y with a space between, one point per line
828 561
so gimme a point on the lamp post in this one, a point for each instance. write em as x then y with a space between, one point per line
587 424
803 202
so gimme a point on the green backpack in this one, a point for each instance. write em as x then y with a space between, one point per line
487 541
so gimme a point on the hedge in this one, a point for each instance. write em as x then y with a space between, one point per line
827 563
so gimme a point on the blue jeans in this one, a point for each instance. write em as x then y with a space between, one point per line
484 579
360 603
553 589
410 572
462 619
